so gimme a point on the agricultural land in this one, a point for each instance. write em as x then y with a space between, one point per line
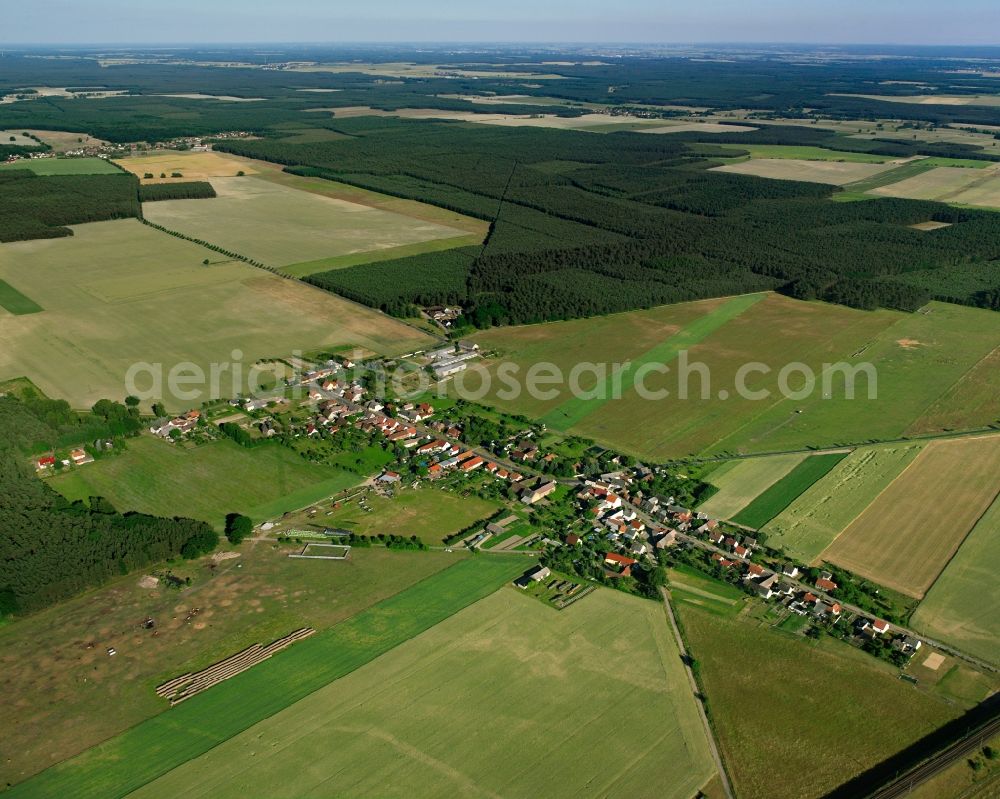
156 477
740 482
280 226
172 738
811 523
55 662
780 494
396 726
120 293
907 536
819 705
959 608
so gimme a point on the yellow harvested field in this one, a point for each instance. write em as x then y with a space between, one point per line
193 166
910 532
946 184
931 99
698 127
837 173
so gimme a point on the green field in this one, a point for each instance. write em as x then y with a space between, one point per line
808 526
740 482
154 747
15 302
64 688
786 490
920 360
795 719
575 409
933 373
279 225
205 482
120 293
65 166
478 706
427 513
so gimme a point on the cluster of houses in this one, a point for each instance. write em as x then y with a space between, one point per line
451 360
77 457
185 423
620 525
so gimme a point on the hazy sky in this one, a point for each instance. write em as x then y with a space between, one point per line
667 21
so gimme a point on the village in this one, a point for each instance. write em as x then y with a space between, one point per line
606 527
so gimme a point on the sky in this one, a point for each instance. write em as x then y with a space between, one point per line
973 22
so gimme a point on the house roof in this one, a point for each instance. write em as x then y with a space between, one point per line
614 557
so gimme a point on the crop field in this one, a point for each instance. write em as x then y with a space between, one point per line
740 482
811 523
120 293
156 477
933 373
123 764
602 677
612 339
934 99
278 225
16 302
958 608
780 494
806 153
919 359
716 416
575 409
836 173
64 166
193 166
16 138
427 513
910 532
688 586
71 697
776 698
949 184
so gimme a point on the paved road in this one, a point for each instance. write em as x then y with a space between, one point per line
709 732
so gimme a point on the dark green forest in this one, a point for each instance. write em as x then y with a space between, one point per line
50 548
39 207
188 190
585 224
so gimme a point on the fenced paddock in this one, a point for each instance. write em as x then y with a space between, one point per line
334 551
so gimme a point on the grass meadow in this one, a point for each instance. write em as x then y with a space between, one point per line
822 713
120 293
907 536
71 697
278 225
813 520
806 153
780 494
740 482
130 760
427 513
476 706
960 608
205 482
